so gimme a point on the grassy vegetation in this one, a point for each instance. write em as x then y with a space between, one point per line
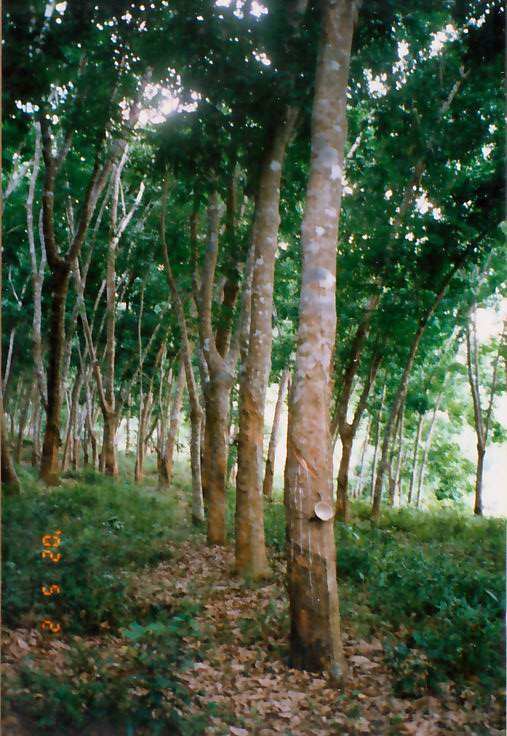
109 530
131 688
111 533
430 584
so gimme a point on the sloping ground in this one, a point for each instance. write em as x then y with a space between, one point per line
241 665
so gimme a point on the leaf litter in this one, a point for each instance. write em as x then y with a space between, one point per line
242 675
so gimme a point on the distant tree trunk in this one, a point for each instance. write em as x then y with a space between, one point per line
394 481
363 456
427 445
377 439
68 450
347 430
482 420
37 273
218 372
401 392
23 416
414 458
313 591
174 423
127 425
392 453
342 506
267 488
36 428
10 481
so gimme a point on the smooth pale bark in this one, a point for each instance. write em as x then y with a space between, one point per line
267 488
313 590
251 559
37 272
414 458
127 425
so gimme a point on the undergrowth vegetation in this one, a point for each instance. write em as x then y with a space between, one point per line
109 531
430 584
131 684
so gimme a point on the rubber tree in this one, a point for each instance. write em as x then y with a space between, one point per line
315 640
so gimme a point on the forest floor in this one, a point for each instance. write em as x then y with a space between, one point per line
229 670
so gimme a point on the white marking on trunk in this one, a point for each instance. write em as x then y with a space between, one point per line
275 166
336 172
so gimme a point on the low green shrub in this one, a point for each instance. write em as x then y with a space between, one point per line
134 687
431 583
109 530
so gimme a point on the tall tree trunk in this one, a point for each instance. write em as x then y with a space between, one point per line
196 413
251 559
267 488
50 468
217 432
313 589
414 458
391 480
